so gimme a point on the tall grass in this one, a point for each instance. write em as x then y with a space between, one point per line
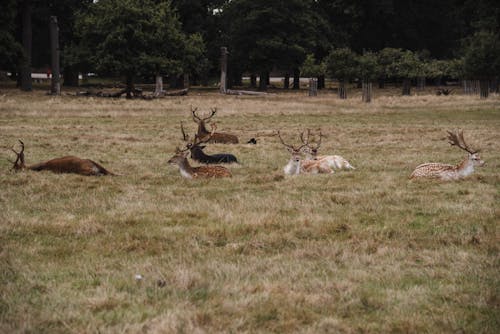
356 251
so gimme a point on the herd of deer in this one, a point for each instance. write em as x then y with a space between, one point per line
311 164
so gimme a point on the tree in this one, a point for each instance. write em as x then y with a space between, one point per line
482 58
268 35
10 50
368 71
341 64
131 37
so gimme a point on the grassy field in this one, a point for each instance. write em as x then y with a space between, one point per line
363 251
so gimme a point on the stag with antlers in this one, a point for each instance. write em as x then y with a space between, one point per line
68 164
218 137
447 172
332 161
294 165
197 153
189 172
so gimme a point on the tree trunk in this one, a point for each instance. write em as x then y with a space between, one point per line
494 85
381 83
420 83
253 80
158 84
223 70
367 91
25 77
296 78
342 90
321 82
185 80
70 76
55 86
484 88
406 86
130 85
263 81
286 82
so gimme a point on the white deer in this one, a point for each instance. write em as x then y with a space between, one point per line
331 161
448 172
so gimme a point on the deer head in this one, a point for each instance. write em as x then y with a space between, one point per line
310 149
19 163
457 139
201 121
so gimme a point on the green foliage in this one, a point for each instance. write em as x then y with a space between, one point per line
398 63
342 64
136 37
310 68
482 55
10 49
368 67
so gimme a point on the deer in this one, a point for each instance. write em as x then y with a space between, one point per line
294 165
218 137
197 151
67 164
332 161
189 172
446 172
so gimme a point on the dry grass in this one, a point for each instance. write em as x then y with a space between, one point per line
361 251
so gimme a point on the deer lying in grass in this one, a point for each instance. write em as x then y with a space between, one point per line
332 161
218 137
68 164
180 159
447 172
200 156
294 165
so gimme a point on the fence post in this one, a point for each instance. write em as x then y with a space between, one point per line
367 91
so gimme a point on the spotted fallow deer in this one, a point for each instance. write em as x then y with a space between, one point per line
68 164
332 161
294 165
189 172
447 172
218 137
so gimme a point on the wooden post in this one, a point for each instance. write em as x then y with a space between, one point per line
342 90
186 80
223 70
313 87
55 87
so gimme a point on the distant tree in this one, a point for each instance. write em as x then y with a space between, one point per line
311 68
268 35
387 61
368 70
341 64
131 37
10 50
482 58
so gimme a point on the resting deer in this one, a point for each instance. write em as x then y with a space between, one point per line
294 165
180 159
218 137
332 161
198 154
447 172
68 164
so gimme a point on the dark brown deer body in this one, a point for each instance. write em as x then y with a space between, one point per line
68 164
217 137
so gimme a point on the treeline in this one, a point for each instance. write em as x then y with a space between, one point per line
180 40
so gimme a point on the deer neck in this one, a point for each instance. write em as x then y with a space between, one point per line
186 169
466 167
202 130
293 167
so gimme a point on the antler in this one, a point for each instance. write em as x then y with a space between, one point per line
457 139
290 146
20 157
197 118
185 137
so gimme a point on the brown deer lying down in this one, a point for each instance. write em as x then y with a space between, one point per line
180 159
447 172
217 137
67 164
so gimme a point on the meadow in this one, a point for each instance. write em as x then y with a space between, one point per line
363 251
